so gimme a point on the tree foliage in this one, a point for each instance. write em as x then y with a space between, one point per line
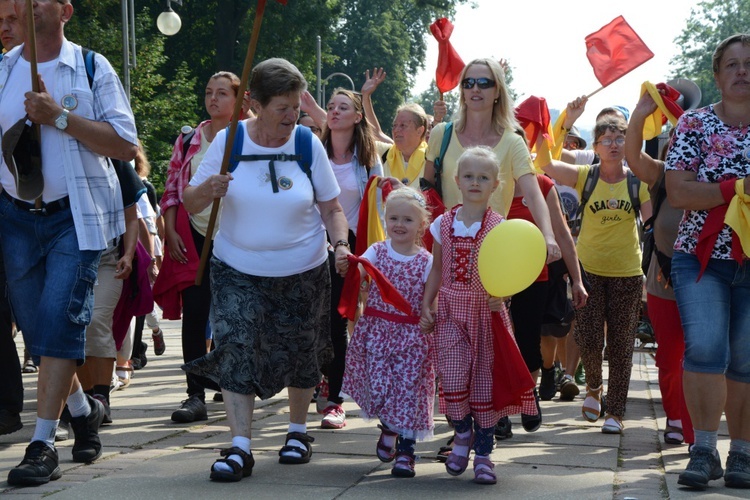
710 22
169 80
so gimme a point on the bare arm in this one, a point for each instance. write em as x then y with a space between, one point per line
309 106
125 265
427 321
643 166
338 229
564 173
538 208
370 85
567 247
429 171
198 198
686 193
99 137
573 111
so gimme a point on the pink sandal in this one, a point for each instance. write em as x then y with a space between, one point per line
456 464
384 452
484 471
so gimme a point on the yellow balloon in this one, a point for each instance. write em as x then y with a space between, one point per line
511 257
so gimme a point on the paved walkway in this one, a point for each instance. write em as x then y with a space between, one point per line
146 456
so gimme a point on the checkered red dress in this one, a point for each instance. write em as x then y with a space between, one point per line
389 370
463 330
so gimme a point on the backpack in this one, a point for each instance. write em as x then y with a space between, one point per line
634 185
649 242
302 148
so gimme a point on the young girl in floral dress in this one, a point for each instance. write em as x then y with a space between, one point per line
389 372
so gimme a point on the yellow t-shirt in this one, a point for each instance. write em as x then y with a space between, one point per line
608 244
515 161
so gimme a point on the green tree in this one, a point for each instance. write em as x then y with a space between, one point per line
160 105
710 22
427 98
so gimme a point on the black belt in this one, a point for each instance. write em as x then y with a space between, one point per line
46 208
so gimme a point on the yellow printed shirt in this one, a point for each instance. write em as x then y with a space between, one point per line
515 161
608 244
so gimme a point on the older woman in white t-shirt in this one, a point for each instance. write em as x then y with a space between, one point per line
270 278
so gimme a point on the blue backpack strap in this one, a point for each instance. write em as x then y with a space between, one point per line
88 60
239 137
303 148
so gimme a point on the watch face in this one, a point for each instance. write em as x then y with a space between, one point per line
62 121
69 102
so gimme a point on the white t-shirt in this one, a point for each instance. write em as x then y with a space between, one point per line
55 185
371 255
264 233
349 198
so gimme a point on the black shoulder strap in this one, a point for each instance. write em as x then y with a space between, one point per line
588 188
385 155
634 186
186 138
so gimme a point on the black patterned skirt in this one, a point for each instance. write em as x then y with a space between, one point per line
270 333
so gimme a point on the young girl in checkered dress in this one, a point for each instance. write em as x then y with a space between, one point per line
389 370
462 336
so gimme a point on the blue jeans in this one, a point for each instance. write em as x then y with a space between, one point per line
715 313
51 281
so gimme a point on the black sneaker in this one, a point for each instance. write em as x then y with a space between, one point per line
87 447
738 470
703 467
107 410
39 466
531 423
9 422
503 429
191 410
547 389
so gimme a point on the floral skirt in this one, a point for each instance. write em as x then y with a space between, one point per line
270 333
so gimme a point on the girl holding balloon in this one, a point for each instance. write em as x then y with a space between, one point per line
463 329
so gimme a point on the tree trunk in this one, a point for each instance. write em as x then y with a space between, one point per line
229 17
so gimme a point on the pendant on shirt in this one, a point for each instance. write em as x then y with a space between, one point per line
613 204
405 181
746 153
69 102
285 183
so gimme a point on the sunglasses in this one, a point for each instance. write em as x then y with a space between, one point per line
483 83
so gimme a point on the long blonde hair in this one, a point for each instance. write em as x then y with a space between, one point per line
503 114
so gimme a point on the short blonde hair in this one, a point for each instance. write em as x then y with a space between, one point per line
479 154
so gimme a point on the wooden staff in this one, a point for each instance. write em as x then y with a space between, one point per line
36 130
230 135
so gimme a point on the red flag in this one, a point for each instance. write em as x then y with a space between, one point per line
450 63
615 50
533 115
348 303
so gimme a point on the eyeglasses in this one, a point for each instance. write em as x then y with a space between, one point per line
483 83
608 142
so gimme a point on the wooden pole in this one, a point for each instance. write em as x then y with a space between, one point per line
230 135
36 130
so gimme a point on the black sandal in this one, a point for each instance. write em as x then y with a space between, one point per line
305 453
444 451
238 471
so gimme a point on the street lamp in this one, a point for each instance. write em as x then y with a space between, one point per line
128 42
325 82
169 22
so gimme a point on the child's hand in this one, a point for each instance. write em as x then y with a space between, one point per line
496 303
427 321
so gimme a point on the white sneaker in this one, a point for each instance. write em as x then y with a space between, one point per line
334 417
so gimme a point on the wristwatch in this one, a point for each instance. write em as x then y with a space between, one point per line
61 122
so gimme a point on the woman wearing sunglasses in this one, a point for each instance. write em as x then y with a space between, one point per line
486 118
609 249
